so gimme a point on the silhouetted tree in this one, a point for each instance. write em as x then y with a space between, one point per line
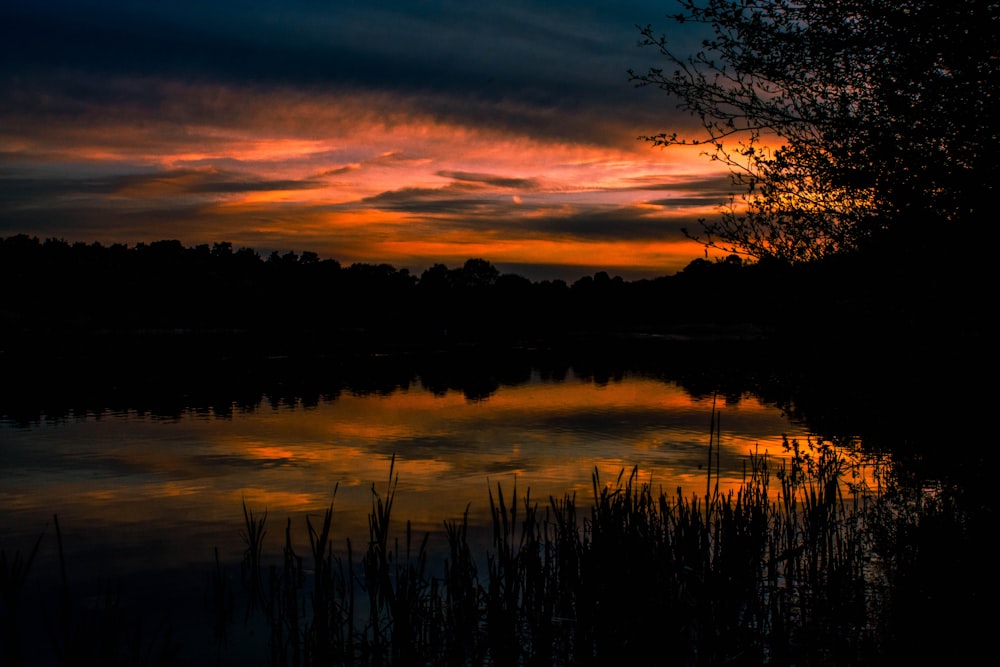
478 273
222 249
436 279
848 124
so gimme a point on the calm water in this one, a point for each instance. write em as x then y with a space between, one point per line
145 500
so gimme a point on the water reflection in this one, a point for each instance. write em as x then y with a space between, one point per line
192 472
140 495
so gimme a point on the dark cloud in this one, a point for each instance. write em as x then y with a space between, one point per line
627 223
557 69
123 121
394 157
444 200
465 194
688 192
195 181
489 179
721 184
462 206
502 218
18 193
340 171
688 202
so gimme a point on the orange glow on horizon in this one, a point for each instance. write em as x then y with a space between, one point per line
367 178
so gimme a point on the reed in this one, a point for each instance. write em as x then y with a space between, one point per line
815 569
461 615
253 537
107 632
746 576
14 570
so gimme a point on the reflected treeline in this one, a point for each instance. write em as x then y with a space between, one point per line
172 385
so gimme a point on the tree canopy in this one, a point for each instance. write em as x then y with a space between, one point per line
848 124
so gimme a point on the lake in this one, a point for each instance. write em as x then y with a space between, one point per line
145 495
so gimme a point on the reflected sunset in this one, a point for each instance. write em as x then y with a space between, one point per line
450 451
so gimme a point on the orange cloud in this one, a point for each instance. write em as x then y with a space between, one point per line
367 177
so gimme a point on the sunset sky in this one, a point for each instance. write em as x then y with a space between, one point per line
411 133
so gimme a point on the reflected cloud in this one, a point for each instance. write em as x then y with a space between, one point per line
126 480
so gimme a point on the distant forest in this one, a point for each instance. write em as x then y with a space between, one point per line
53 287
60 291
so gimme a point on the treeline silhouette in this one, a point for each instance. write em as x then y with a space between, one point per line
64 289
65 292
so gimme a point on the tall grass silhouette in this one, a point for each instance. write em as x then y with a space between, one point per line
793 572
819 558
